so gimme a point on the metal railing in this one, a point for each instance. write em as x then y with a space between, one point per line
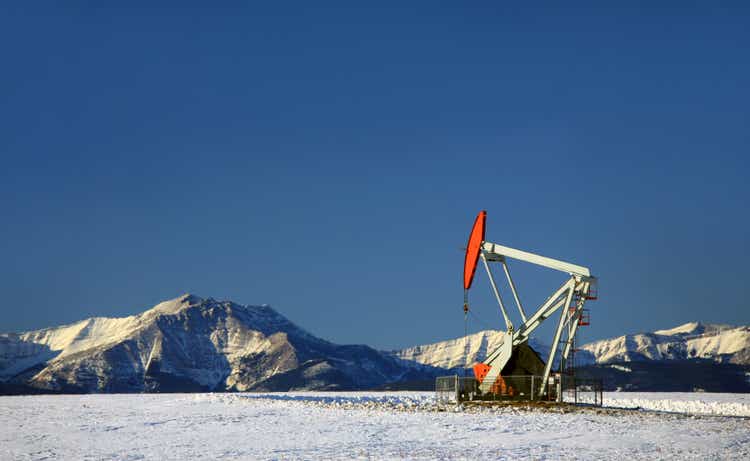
455 389
582 391
559 388
518 388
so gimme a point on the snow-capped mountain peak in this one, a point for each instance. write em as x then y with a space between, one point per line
195 343
694 340
190 343
461 352
694 328
172 306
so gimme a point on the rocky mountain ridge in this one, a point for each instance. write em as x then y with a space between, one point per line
195 344
459 353
189 344
694 340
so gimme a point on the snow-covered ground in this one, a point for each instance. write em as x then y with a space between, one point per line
694 403
364 425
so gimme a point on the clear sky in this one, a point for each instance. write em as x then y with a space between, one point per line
328 159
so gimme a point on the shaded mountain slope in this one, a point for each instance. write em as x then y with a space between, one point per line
189 344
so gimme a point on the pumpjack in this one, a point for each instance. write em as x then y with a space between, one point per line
569 298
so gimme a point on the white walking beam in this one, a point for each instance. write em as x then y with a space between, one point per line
572 269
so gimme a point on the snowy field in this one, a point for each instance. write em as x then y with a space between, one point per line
366 425
693 403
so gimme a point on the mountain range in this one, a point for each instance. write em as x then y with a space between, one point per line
195 344
691 357
192 344
694 340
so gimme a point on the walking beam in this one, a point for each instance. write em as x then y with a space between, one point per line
572 269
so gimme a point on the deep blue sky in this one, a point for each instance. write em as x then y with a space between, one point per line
329 160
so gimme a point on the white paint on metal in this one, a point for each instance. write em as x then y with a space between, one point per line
572 269
579 284
558 334
513 289
545 310
497 361
508 323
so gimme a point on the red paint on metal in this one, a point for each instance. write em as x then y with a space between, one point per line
473 247
480 371
499 387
